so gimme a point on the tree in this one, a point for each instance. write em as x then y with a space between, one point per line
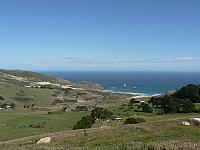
133 101
169 104
186 106
106 114
101 113
12 105
97 112
84 123
156 102
146 108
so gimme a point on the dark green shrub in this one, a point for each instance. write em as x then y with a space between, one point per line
146 108
1 98
12 105
81 108
134 120
133 101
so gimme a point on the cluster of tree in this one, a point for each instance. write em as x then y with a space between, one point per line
143 105
171 104
28 106
134 120
5 105
101 113
180 102
88 121
190 91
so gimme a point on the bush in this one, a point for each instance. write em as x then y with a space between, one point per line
1 98
84 123
81 108
133 101
37 124
158 111
134 120
146 108
12 105
49 112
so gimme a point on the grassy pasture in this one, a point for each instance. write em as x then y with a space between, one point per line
163 134
15 124
21 95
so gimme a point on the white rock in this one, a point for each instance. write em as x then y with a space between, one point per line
45 140
186 123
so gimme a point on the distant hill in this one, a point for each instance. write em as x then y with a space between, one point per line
29 76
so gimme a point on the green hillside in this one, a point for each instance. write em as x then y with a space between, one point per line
23 96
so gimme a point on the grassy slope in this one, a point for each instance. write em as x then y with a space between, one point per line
41 97
15 126
15 123
162 134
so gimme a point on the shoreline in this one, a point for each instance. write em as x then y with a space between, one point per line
135 95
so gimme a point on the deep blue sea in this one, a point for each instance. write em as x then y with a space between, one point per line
143 83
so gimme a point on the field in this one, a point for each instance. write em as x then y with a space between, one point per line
20 124
20 130
23 96
161 134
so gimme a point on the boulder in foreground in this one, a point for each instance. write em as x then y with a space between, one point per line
45 140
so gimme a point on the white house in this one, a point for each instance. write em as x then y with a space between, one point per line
117 118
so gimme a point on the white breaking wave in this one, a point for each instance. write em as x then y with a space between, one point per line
135 95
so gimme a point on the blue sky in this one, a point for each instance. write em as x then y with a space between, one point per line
134 35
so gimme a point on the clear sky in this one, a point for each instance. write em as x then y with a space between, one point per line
156 35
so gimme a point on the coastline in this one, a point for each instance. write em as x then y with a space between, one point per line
135 95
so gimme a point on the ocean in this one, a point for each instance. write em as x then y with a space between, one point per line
141 83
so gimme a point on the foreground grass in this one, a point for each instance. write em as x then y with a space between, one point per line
163 134
20 124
